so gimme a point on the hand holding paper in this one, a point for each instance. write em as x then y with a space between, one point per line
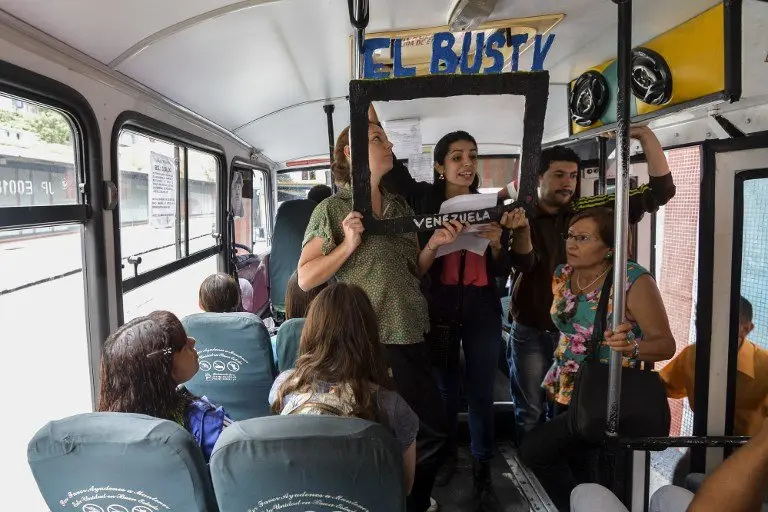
470 238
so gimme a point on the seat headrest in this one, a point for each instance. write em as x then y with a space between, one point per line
237 367
118 461
298 463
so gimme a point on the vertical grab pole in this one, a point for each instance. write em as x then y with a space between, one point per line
358 17
328 109
622 205
602 169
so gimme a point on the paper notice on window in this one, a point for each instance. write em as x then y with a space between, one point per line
469 239
421 168
405 136
162 190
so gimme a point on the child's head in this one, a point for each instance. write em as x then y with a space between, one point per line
220 293
142 364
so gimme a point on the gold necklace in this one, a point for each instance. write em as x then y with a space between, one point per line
582 288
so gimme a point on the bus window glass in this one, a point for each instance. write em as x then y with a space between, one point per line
177 292
296 184
496 172
754 267
676 246
37 156
261 224
42 306
203 171
149 202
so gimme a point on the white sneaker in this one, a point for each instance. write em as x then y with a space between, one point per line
433 506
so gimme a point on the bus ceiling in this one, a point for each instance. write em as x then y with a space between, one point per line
265 69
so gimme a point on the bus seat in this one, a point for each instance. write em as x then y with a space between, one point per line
288 341
119 461
312 462
291 222
255 269
236 364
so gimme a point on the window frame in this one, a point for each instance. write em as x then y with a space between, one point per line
37 88
241 163
150 127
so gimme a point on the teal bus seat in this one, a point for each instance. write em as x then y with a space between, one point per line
236 363
291 221
287 343
301 463
115 461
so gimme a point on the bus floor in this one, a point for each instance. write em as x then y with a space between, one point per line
516 487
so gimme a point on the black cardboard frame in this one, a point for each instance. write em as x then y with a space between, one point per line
534 86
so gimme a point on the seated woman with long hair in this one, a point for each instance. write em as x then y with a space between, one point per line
143 365
555 453
342 370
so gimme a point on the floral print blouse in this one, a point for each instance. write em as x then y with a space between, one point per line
574 316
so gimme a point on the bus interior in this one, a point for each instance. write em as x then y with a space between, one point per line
99 98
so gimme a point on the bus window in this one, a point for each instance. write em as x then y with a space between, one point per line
262 227
754 267
169 206
676 246
296 184
495 172
42 301
149 189
203 181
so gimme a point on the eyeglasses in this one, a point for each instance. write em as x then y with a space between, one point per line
578 238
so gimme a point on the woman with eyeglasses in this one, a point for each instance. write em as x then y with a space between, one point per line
644 336
143 365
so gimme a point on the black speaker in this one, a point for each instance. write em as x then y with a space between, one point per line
651 77
589 97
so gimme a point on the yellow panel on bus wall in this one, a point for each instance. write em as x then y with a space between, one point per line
695 54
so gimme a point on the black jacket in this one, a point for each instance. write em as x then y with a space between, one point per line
532 291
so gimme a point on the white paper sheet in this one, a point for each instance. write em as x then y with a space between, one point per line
468 239
405 136
421 167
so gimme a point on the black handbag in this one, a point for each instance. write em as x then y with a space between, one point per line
643 410
445 329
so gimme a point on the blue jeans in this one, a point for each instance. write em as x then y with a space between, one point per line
530 353
480 340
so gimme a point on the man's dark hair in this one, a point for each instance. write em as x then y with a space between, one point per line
745 310
557 154
319 192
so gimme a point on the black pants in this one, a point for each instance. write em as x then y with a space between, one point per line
412 372
560 458
480 333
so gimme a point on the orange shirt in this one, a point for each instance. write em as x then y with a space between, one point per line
751 384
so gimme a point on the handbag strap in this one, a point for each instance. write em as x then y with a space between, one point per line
600 318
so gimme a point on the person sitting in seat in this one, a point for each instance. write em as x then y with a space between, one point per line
220 293
552 450
319 192
342 370
143 365
246 295
751 384
285 344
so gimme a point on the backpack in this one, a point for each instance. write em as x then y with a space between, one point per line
328 403
205 422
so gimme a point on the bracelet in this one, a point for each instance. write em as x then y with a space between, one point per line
636 352
430 249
